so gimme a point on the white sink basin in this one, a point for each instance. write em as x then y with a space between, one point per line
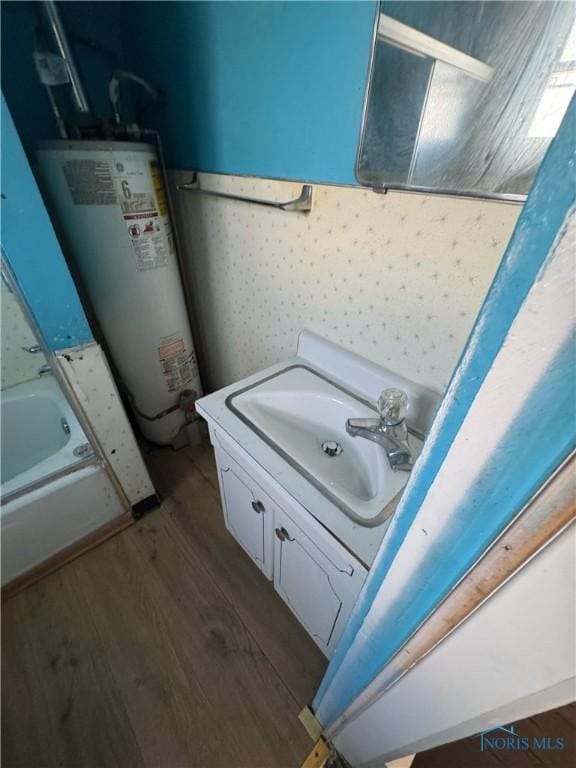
297 412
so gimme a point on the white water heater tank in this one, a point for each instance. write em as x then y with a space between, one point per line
110 203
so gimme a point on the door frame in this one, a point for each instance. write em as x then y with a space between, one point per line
533 274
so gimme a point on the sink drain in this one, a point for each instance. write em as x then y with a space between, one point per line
332 448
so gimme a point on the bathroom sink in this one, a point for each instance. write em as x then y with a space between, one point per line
302 416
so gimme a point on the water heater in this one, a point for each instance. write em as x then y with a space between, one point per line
110 203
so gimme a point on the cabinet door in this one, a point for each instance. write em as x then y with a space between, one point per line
319 592
245 512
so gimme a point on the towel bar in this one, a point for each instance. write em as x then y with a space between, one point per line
302 204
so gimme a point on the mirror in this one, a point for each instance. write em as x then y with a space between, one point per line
464 97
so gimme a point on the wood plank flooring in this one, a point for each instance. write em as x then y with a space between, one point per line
163 647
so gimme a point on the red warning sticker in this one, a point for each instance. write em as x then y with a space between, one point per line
176 363
151 247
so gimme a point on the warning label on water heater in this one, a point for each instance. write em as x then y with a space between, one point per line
145 212
149 241
176 363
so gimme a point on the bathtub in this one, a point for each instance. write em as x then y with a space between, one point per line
40 433
51 497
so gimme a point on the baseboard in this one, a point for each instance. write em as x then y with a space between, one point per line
66 555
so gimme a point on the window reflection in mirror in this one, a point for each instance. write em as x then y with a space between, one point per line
465 97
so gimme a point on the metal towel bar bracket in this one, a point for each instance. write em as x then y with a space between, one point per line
302 204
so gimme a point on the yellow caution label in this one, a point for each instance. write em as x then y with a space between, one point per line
159 190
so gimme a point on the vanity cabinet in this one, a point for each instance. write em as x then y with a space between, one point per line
313 573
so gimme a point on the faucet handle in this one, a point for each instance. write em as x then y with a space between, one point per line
393 406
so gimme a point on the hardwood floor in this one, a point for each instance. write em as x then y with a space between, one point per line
163 647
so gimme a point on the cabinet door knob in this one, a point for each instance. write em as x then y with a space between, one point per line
258 507
283 534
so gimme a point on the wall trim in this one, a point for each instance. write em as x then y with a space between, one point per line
360 187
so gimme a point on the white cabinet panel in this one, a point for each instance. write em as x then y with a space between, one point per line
305 586
248 512
319 590
243 515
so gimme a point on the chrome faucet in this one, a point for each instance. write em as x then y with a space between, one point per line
390 430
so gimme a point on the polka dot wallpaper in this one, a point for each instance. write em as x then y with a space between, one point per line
88 374
18 365
398 278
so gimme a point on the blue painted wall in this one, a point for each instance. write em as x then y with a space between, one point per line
28 238
541 437
32 250
264 88
99 23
